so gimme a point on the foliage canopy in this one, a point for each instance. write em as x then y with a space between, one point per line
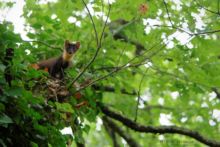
152 63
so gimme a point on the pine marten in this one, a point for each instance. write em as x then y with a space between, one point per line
55 66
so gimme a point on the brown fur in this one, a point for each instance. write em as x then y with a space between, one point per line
55 66
47 63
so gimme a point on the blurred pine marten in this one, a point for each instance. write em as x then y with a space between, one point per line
55 66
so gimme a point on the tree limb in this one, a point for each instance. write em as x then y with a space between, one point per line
158 130
131 142
112 89
149 107
216 92
111 134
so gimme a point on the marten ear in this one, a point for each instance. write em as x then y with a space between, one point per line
66 43
77 44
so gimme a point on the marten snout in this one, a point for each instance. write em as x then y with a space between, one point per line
70 51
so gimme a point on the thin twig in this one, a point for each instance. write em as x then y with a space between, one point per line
102 10
149 107
93 23
100 78
121 54
206 32
211 11
41 42
103 30
165 4
218 6
189 33
139 95
174 27
96 53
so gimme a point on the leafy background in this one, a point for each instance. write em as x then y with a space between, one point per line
161 62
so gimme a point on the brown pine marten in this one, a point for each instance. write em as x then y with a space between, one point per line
55 66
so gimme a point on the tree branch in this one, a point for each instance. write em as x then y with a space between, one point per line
99 45
80 144
216 92
111 134
112 89
165 4
174 27
206 32
44 43
103 30
93 23
211 11
139 96
191 34
218 6
149 107
127 137
158 130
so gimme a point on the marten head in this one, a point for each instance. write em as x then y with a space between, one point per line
71 48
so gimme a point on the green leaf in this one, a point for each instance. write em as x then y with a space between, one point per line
4 119
86 128
15 91
64 107
2 107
